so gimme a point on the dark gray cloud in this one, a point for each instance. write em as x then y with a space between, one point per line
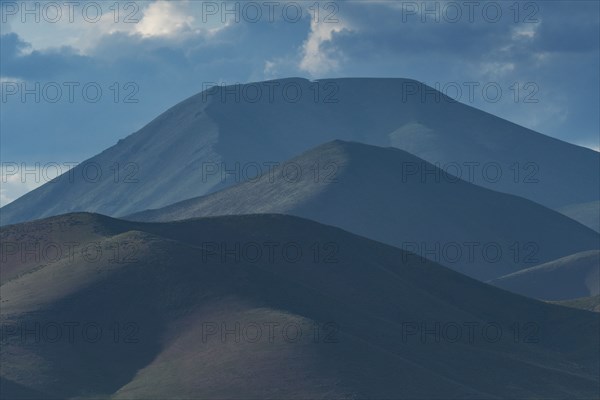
554 45
560 55
37 64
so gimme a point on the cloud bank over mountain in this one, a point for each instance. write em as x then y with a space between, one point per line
174 47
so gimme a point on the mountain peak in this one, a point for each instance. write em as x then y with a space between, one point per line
394 197
259 123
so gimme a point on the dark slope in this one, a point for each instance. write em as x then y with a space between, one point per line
571 277
163 162
394 197
171 298
586 213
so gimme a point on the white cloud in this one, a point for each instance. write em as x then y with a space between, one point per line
7 79
496 70
83 32
526 32
19 179
270 68
12 187
316 59
164 18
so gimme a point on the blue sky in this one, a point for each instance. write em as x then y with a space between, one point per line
146 56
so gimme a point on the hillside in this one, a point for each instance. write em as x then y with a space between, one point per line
237 128
391 196
177 316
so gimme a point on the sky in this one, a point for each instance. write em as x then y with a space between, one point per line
77 76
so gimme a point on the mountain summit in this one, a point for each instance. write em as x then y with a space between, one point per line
265 122
389 195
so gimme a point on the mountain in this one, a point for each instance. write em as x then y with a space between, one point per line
235 130
567 278
268 306
591 303
586 213
391 196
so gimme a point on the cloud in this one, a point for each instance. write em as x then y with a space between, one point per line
318 55
164 18
524 32
496 70
550 55
164 70
83 25
16 179
171 51
270 68
36 64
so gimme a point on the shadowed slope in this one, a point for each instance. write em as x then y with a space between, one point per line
188 301
394 197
